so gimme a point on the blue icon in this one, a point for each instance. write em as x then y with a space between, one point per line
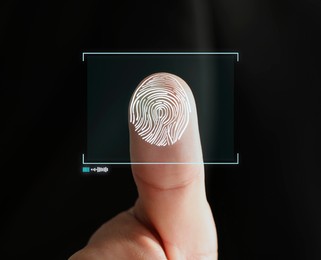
85 169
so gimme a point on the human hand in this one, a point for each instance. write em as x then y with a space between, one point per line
171 218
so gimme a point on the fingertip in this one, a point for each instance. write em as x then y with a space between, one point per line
165 146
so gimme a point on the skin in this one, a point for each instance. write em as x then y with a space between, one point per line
171 218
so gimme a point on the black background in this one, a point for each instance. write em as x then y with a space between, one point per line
266 208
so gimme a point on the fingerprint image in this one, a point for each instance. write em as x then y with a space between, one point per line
160 109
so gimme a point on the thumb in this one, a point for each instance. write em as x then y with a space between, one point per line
168 168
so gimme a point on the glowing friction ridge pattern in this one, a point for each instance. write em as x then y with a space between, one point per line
160 109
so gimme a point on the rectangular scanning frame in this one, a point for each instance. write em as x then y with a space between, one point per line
111 78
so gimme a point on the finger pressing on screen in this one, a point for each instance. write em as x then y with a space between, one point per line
167 165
